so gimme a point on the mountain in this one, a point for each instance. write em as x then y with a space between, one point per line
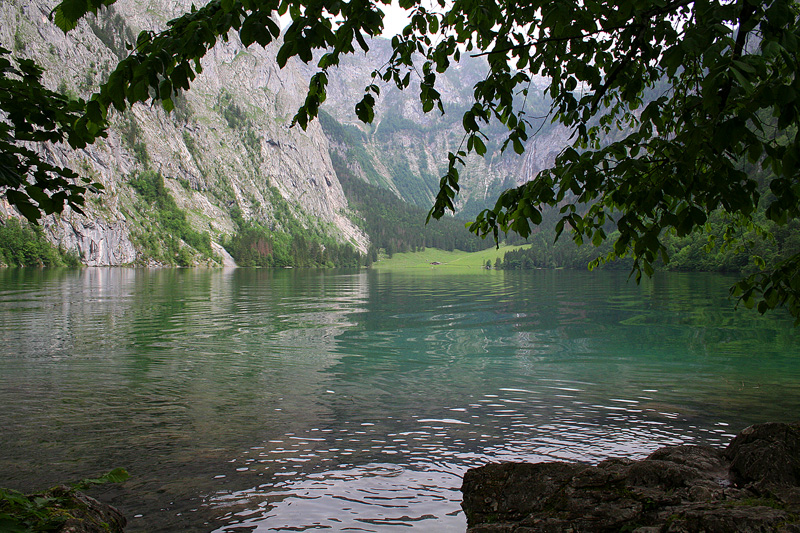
225 156
225 168
405 150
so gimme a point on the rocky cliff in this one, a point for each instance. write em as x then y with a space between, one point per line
226 153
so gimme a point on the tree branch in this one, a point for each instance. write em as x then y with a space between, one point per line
645 15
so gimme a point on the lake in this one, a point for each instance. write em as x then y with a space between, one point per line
261 400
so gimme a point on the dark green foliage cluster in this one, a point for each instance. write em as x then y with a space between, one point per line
30 113
46 511
396 226
256 245
543 252
287 243
168 225
706 252
231 112
19 42
709 252
25 245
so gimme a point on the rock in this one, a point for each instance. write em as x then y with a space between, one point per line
97 242
752 486
767 454
89 515
65 510
227 259
500 492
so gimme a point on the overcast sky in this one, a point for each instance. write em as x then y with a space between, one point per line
394 21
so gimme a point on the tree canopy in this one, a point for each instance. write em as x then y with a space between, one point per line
678 109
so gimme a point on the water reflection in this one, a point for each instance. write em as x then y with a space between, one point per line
246 400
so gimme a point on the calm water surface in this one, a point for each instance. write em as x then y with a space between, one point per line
253 400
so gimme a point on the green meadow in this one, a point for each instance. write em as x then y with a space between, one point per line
435 259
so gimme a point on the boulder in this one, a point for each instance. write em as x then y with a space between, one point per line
767 454
752 486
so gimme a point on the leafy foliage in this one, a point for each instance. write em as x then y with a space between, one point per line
32 114
696 252
24 245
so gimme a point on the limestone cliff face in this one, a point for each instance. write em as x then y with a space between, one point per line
225 151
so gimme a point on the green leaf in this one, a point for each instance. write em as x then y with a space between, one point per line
469 122
479 146
68 13
118 475
364 109
744 82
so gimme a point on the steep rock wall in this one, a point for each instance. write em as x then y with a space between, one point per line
225 151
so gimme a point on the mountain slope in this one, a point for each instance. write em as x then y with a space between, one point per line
225 154
405 150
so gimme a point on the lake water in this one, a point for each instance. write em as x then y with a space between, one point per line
257 400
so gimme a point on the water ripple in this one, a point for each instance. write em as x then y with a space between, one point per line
254 400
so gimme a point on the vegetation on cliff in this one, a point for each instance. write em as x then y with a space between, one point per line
23 244
395 226
163 239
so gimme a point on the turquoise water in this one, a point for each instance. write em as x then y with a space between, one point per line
257 400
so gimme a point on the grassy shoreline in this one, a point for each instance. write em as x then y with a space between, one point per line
435 259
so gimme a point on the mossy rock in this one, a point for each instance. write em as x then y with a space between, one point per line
60 509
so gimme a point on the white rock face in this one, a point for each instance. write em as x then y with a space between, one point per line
98 242
212 167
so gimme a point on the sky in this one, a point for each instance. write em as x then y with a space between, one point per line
394 21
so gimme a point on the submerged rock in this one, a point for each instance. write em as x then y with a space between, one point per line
753 485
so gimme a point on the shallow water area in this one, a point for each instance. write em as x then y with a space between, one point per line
257 400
